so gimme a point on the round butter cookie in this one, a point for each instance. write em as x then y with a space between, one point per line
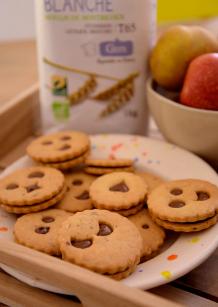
40 230
102 241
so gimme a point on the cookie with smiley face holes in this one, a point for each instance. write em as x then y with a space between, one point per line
40 230
31 186
61 150
118 191
184 201
102 241
77 197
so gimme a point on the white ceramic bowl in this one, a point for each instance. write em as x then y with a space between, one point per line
193 129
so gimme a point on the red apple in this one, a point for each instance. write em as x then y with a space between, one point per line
200 89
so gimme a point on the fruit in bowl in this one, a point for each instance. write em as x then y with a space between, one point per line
184 102
200 89
174 51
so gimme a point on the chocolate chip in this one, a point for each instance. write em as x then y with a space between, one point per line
145 226
12 186
48 219
176 192
77 182
120 187
104 230
32 187
83 196
81 244
42 230
65 147
65 138
177 204
47 143
202 196
36 175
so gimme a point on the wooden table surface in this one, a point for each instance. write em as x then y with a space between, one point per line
198 288
18 68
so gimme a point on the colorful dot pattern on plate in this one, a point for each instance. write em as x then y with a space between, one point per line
166 275
164 160
172 257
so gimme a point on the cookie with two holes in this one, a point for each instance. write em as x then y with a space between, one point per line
62 150
184 205
31 189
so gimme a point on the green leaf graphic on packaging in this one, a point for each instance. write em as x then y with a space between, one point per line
59 86
61 110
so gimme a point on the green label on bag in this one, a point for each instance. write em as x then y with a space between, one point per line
61 110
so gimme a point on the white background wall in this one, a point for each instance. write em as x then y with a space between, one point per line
16 19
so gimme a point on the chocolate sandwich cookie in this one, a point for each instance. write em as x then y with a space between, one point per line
102 241
153 236
184 205
40 230
61 150
118 191
77 197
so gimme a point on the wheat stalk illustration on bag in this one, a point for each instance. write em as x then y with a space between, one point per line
120 99
113 90
84 91
116 96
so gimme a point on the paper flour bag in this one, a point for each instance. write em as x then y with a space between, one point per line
93 63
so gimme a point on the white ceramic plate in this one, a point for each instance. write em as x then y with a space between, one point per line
181 253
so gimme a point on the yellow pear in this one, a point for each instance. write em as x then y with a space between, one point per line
175 49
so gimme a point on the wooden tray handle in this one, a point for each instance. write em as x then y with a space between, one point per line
92 289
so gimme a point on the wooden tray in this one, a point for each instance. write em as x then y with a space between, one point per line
20 122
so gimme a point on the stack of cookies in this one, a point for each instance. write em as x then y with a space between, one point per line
100 167
184 205
62 150
31 189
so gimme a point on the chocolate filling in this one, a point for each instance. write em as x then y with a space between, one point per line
12 186
77 182
177 204
120 187
47 143
36 174
111 166
83 196
32 187
65 138
202 196
65 147
145 226
104 230
42 230
176 192
81 244
48 219
194 223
